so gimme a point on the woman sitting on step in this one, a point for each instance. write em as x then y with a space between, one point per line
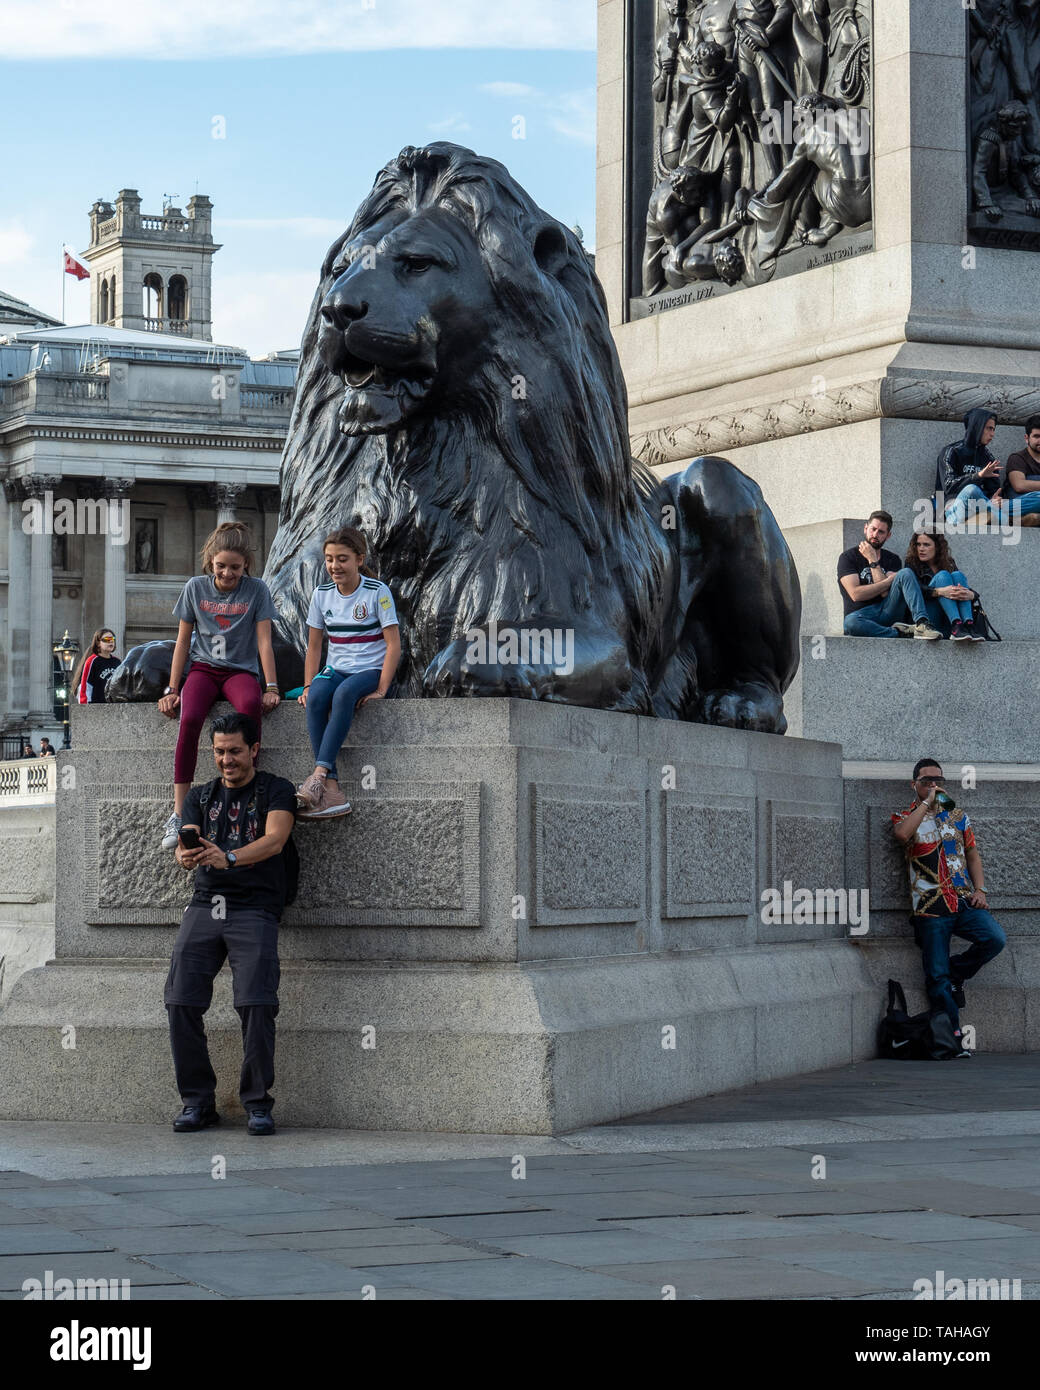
946 592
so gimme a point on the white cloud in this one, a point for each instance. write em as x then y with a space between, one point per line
15 243
570 114
573 115
322 227
262 312
451 125
507 89
52 29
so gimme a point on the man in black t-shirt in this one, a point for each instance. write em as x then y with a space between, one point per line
1022 478
878 593
243 822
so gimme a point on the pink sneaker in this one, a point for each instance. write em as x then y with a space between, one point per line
333 803
310 795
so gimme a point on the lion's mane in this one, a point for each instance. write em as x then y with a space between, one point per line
528 503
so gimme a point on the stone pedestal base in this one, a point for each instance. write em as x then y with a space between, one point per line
537 918
507 1049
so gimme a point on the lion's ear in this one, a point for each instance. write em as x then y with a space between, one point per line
550 248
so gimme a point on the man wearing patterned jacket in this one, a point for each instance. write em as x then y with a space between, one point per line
947 890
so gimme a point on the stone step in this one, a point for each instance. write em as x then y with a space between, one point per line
1005 569
965 702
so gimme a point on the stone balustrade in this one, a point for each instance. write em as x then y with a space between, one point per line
28 781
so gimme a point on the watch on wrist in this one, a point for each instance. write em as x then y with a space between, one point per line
169 690
230 857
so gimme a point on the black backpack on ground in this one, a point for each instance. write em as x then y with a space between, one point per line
927 1037
981 620
290 854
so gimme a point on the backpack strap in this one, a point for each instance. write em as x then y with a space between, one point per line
262 789
896 996
207 794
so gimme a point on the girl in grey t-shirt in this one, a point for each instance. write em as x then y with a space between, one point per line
225 626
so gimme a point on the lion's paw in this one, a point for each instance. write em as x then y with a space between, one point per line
450 673
754 707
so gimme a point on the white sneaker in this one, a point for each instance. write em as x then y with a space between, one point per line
171 832
905 629
924 633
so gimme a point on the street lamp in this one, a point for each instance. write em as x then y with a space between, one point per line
66 651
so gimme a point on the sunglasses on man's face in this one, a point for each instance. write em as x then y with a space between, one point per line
932 781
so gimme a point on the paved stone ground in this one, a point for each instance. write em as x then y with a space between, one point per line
927 1167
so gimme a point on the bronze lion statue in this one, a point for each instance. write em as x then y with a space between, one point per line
460 399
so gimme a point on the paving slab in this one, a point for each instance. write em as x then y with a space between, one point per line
370 1237
509 1277
383 1295
962 1198
53 1195
263 1223
419 1204
118 1213
1021 1256
247 1273
384 1256
627 1206
697 1228
44 1238
891 1269
486 1228
750 1278
234 1201
18 1216
158 1240
15 1269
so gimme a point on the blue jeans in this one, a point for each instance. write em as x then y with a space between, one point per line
1023 503
957 510
1020 504
941 974
330 708
877 618
944 612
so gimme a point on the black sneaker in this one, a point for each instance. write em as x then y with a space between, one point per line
958 996
194 1117
260 1122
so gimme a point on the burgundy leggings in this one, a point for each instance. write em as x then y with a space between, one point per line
202 688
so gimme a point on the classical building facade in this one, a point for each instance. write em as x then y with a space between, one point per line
122 443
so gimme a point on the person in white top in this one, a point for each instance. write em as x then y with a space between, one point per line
358 614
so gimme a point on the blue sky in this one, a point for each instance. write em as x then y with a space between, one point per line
315 98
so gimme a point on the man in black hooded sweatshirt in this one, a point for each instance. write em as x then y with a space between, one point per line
967 473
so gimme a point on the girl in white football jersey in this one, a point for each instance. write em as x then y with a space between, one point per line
358 614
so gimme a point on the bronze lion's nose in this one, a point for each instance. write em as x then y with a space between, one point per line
341 308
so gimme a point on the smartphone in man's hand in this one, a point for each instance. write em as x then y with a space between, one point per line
189 838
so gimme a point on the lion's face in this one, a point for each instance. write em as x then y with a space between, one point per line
406 317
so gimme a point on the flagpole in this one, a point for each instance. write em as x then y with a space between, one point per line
63 282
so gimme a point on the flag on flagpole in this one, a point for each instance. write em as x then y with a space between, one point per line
74 266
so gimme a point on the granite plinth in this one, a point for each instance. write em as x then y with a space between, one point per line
566 927
897 700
